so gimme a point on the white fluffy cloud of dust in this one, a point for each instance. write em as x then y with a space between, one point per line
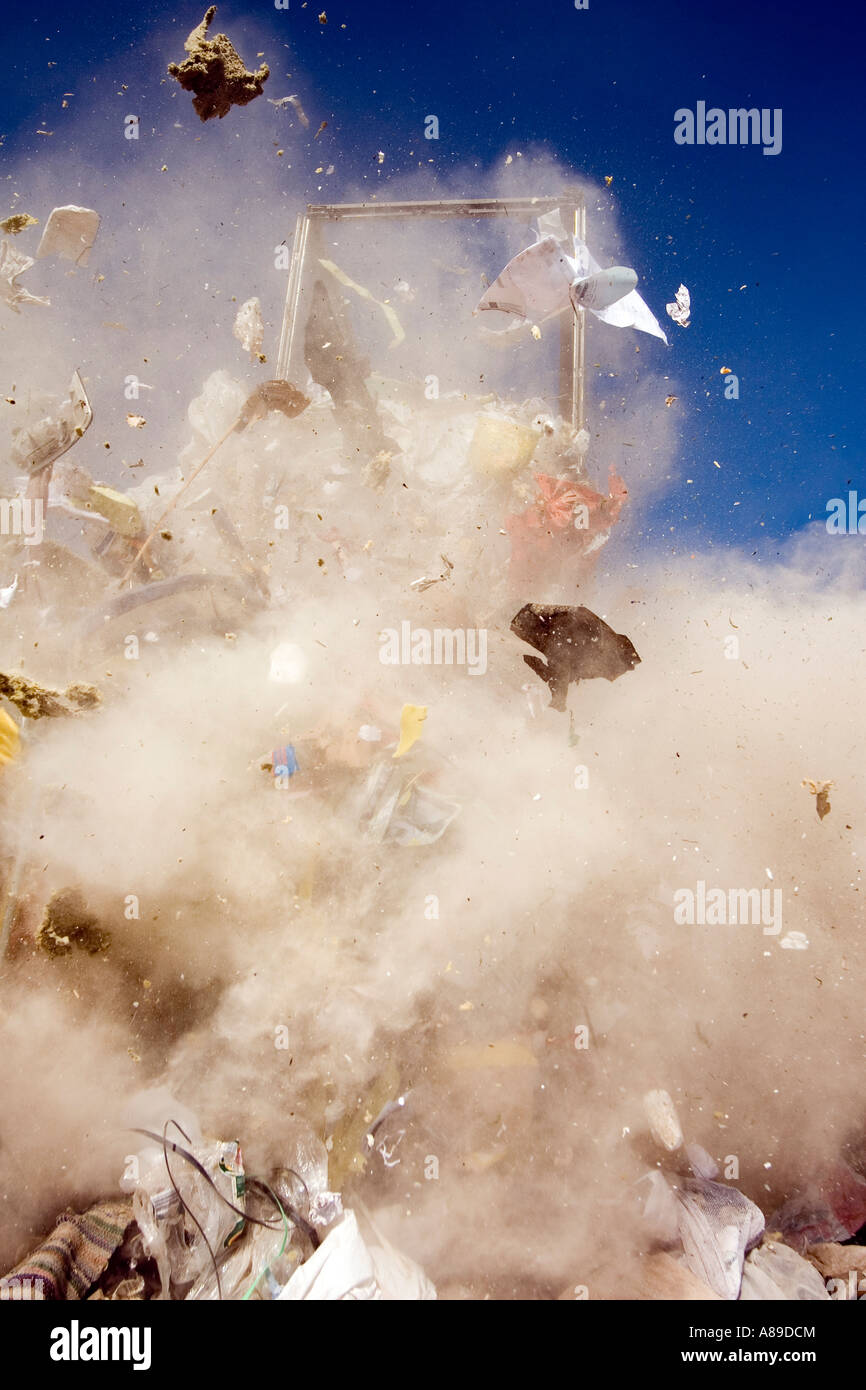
469 903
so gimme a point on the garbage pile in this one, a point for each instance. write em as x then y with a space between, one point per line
706 1240
480 520
197 1226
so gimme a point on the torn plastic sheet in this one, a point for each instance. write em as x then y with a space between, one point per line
544 280
180 1243
399 809
295 102
12 264
38 446
70 233
717 1226
357 1266
775 1271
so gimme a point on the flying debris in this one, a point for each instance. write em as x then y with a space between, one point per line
70 233
295 102
17 223
281 396
12 264
552 275
37 447
681 308
578 646
603 288
215 73
821 793
37 702
249 328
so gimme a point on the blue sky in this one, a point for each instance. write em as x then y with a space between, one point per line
598 89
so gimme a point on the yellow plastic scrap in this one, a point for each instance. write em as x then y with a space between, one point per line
411 726
393 322
117 508
9 738
500 445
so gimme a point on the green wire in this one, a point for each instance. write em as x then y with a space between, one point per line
251 1290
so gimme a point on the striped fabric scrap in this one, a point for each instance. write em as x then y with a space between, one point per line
74 1255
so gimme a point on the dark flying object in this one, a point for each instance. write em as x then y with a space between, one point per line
578 646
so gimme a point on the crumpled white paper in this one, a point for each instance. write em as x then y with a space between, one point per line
681 308
544 279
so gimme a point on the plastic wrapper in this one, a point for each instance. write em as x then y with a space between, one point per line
181 1247
717 1226
775 1271
357 1265
398 809
37 446
12 264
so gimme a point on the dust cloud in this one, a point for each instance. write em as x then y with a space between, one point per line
464 971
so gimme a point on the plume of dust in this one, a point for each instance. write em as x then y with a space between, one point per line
258 912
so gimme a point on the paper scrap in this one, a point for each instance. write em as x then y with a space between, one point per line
70 233
545 279
680 309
